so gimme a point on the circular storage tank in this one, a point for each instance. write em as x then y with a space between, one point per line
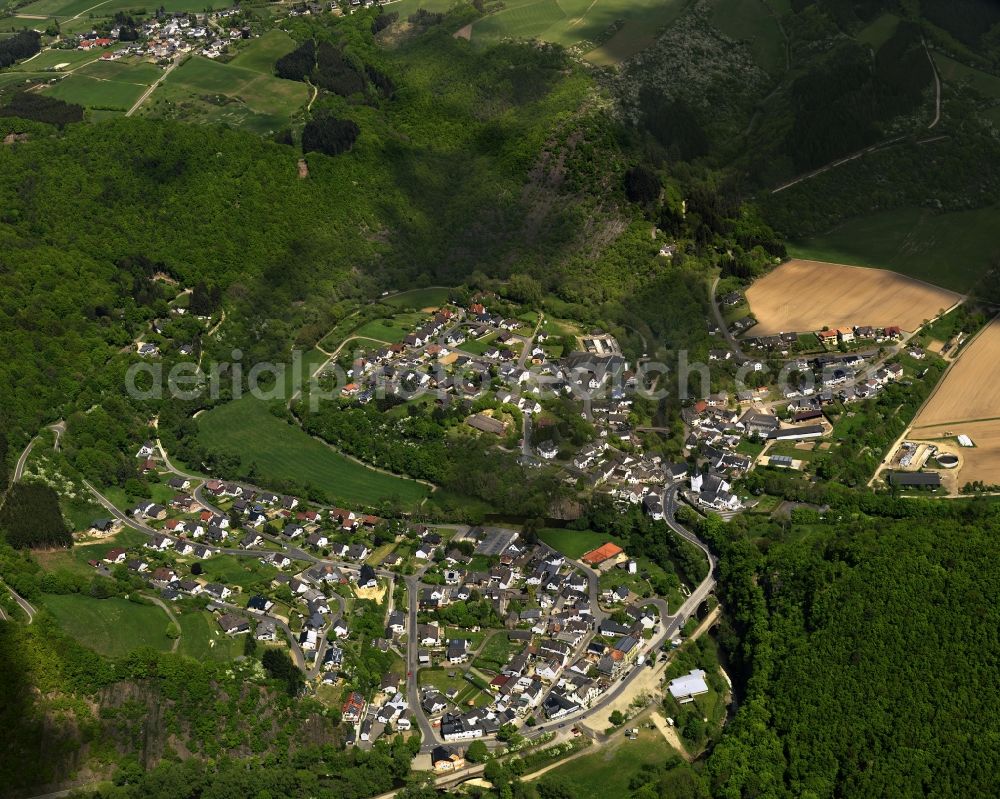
947 460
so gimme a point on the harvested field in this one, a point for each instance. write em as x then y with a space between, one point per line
808 295
970 390
981 462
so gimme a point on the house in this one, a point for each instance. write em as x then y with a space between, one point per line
259 603
179 483
116 555
353 708
458 650
429 634
367 578
397 622
231 624
653 506
266 630
685 689
444 759
218 591
548 450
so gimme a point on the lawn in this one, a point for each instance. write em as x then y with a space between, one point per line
283 452
573 543
210 92
477 346
440 678
390 331
202 639
952 250
750 21
609 769
498 650
241 571
260 54
432 297
113 627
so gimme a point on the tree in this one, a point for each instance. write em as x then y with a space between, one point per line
329 135
617 718
477 752
173 631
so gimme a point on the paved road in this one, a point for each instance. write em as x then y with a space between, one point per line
26 606
19 468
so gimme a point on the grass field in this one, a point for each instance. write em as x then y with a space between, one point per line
953 71
113 627
572 22
92 92
750 21
440 678
390 330
284 452
202 639
498 650
419 298
953 250
879 31
609 769
62 9
209 92
50 58
808 295
260 54
573 543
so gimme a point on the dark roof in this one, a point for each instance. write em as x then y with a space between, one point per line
915 479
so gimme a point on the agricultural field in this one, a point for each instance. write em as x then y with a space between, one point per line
608 770
808 295
209 92
283 452
581 23
49 59
113 627
94 92
751 22
391 330
952 250
969 391
574 543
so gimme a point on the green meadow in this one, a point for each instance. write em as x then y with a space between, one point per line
281 451
575 22
204 91
951 249
113 627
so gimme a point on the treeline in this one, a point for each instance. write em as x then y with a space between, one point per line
23 44
31 518
40 108
323 64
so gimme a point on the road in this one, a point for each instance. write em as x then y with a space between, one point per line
145 95
937 87
25 605
734 345
19 468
